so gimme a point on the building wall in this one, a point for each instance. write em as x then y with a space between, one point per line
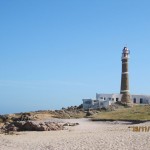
109 97
87 103
104 100
95 104
141 99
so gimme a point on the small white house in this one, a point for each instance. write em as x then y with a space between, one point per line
141 99
104 100
95 104
109 97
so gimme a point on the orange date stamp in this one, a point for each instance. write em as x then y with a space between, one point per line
139 128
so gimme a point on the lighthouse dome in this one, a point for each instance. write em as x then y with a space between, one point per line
126 50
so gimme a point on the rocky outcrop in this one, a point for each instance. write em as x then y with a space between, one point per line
10 127
31 126
17 117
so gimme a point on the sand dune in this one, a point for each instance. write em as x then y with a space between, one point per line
86 136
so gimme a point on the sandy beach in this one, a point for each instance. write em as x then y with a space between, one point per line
87 135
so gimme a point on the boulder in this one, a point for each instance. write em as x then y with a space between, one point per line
71 124
3 118
89 113
9 127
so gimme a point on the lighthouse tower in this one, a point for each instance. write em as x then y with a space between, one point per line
126 98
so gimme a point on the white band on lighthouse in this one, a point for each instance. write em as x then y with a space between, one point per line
124 90
125 72
124 58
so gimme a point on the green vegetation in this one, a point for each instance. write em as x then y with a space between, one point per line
137 112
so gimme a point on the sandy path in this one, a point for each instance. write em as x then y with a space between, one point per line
86 136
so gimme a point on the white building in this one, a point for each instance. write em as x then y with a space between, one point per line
104 100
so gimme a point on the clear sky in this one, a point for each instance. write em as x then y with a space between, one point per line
54 53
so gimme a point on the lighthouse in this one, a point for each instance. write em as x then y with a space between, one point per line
126 98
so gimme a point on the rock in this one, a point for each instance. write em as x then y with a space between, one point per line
8 127
29 126
42 128
19 124
80 106
71 124
3 118
71 108
24 117
89 113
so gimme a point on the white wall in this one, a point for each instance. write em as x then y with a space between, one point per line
141 99
109 97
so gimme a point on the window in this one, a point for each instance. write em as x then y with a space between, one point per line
141 100
109 98
95 100
101 97
104 98
112 99
117 99
134 100
88 102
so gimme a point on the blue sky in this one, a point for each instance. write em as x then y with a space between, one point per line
54 53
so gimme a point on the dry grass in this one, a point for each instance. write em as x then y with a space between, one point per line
60 114
70 115
137 112
1 120
41 116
